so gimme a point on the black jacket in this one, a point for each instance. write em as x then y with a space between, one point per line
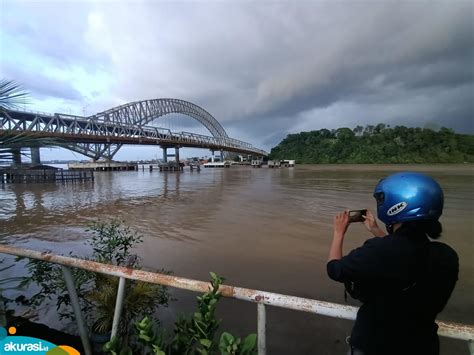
404 281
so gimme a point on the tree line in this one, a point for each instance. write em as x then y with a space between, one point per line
376 144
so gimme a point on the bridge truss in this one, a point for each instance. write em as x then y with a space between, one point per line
103 134
140 113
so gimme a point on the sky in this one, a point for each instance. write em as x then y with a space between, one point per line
263 69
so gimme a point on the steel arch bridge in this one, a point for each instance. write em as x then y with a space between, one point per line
142 112
103 134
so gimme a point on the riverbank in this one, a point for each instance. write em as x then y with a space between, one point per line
441 167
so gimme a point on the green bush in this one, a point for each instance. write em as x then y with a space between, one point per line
112 243
195 334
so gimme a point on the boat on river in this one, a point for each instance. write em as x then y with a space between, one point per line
217 164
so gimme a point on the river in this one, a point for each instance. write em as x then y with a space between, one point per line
259 228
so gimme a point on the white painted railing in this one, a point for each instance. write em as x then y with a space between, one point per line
447 329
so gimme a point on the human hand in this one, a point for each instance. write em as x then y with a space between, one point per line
371 224
341 222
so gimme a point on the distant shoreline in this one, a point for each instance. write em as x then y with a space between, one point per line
392 166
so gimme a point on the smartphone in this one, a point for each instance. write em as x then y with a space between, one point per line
357 216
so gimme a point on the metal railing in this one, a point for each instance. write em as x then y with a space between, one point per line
262 298
90 129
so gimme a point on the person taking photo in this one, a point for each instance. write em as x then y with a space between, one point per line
403 278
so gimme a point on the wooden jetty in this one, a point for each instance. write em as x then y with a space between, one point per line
22 176
103 166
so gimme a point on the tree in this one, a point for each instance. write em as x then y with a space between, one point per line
12 95
344 133
377 144
358 130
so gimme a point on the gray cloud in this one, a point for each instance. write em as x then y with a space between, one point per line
40 85
265 69
53 31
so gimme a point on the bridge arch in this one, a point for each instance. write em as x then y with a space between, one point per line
142 112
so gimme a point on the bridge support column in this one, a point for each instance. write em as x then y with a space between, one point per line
35 156
176 154
165 155
16 156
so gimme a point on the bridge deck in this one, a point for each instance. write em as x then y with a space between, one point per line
76 129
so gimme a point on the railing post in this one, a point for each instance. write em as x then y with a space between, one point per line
77 309
118 307
261 328
470 344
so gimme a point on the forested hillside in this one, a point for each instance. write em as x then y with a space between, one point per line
376 144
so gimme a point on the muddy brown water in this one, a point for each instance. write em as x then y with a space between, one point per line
259 228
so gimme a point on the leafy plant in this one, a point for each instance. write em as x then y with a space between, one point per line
230 345
6 284
192 335
112 242
12 141
115 347
50 280
198 331
12 94
147 337
140 298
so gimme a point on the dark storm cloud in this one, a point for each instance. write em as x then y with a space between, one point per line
265 69
249 63
380 63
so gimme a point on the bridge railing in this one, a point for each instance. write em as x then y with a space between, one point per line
91 126
42 113
262 298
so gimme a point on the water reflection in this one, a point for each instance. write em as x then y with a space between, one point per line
165 204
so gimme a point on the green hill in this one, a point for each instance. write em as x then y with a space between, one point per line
376 144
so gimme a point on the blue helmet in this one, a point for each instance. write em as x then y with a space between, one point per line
408 196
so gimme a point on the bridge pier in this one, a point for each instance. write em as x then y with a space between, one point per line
35 156
213 157
176 154
16 156
166 155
